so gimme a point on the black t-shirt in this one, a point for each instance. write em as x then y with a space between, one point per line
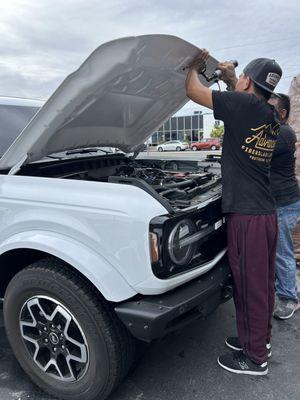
284 186
249 140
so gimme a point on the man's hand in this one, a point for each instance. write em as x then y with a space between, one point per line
195 90
199 62
228 74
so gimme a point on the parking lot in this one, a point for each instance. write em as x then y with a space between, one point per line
183 366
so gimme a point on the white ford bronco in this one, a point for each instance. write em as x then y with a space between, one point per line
102 250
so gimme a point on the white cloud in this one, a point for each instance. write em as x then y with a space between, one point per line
43 41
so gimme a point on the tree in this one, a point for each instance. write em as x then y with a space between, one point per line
217 132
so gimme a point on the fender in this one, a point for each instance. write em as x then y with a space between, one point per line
91 264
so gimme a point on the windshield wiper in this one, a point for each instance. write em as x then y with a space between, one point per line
87 150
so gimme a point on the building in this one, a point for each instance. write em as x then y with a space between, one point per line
185 128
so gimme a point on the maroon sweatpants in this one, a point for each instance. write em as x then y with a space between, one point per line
251 251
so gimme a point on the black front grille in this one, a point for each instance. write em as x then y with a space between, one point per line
208 221
210 246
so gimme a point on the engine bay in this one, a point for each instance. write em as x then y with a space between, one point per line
181 184
181 188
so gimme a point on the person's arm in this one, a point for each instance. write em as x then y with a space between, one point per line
224 104
228 74
196 91
199 93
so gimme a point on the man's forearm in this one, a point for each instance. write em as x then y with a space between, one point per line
196 91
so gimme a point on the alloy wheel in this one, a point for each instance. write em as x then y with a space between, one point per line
54 339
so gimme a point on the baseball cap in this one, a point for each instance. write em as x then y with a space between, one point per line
265 72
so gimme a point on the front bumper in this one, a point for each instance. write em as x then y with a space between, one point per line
155 316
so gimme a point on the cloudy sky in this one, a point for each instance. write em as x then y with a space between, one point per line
42 41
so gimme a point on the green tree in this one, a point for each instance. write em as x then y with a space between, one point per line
217 132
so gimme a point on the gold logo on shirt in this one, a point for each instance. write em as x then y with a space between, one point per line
260 145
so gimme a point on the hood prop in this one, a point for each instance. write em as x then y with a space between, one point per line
16 168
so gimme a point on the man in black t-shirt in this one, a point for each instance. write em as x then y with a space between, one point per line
285 190
250 136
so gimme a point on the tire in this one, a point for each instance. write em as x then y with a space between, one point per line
194 148
102 343
178 148
213 147
160 149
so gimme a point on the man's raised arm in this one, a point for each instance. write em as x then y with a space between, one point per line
196 91
199 93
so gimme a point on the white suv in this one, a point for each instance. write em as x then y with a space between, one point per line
100 250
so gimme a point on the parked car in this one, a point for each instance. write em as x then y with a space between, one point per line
206 144
173 145
99 250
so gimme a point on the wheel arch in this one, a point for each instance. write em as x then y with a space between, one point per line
24 249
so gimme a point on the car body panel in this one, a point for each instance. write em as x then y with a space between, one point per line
103 220
157 286
117 98
86 260
207 144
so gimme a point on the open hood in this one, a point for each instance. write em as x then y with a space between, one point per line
118 97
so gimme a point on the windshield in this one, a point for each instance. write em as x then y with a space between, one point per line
13 120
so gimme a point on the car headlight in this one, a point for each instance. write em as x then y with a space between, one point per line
181 250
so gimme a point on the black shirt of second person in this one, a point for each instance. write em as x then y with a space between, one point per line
284 186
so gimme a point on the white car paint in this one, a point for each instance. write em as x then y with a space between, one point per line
102 219
99 232
101 229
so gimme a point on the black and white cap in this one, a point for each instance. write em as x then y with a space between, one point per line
265 72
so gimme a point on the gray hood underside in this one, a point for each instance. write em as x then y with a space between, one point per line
118 97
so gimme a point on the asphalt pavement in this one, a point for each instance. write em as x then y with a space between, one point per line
182 366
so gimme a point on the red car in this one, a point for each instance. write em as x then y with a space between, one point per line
206 144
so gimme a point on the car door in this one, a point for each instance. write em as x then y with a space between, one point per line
176 144
171 146
201 145
206 144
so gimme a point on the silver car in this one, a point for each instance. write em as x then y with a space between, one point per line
173 145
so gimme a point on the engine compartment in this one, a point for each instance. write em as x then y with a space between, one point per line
181 188
180 184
